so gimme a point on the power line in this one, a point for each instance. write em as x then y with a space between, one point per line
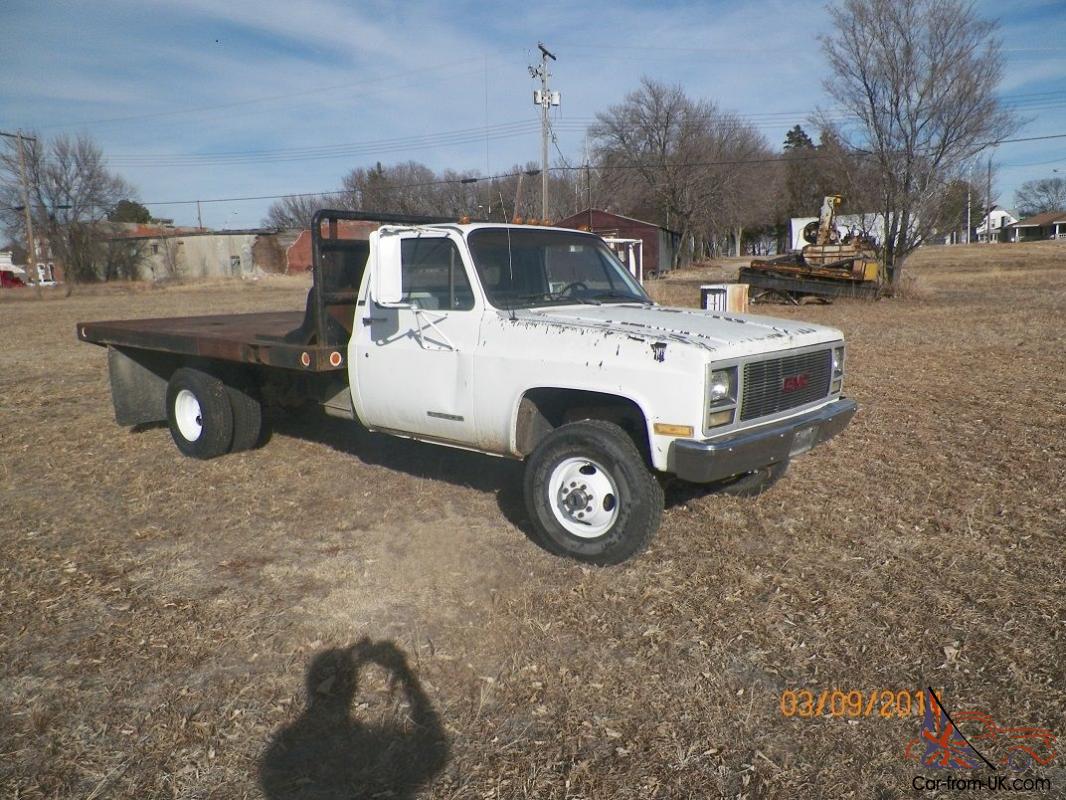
456 137
605 167
1030 101
555 141
341 150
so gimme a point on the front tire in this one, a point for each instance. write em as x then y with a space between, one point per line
199 414
590 494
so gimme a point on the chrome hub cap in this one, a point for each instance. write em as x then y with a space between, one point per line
187 415
584 497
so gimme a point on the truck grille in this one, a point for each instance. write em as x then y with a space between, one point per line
779 384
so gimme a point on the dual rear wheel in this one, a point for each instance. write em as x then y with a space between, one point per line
209 417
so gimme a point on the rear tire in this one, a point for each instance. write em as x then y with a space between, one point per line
590 494
199 414
247 417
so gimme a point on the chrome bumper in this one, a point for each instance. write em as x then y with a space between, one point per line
717 459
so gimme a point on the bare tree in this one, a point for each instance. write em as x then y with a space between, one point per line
413 188
71 194
296 211
1036 197
682 163
516 195
639 144
122 258
920 76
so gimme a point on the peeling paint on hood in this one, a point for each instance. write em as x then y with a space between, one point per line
717 332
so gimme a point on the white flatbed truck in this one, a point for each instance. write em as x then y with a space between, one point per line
525 342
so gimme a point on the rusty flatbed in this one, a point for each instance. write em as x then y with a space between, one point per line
256 338
314 340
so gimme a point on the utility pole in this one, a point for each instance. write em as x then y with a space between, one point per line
545 98
968 228
588 181
988 199
199 217
588 191
31 251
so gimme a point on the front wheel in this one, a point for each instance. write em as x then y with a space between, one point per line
590 494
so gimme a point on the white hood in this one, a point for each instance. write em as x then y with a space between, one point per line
723 334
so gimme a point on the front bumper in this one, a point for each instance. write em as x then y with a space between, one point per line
717 459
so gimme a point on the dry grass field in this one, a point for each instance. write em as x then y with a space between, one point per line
339 614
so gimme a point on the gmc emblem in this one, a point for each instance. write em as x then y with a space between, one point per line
793 383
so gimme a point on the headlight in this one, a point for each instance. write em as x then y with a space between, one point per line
721 397
721 386
838 361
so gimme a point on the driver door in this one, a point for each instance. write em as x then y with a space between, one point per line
414 368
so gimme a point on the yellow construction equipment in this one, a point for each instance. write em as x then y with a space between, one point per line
828 266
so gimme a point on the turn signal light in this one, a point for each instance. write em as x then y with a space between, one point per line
663 429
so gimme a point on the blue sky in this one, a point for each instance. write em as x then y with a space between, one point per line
185 97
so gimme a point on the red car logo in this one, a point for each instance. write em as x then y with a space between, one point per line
793 383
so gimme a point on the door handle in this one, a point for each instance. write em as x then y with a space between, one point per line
372 320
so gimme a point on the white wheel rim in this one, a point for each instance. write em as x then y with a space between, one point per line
187 415
583 497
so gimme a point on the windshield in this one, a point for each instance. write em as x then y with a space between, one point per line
525 267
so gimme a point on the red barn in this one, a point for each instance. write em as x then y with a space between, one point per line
660 244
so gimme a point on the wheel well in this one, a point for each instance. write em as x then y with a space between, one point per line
139 380
543 410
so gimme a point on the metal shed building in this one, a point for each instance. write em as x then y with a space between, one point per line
660 243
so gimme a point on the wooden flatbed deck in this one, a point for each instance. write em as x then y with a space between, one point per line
257 338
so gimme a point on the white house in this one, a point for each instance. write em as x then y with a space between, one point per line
999 218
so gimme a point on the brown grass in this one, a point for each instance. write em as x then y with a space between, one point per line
159 616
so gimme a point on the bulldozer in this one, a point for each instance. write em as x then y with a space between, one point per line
830 265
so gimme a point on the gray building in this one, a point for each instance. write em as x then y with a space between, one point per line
192 253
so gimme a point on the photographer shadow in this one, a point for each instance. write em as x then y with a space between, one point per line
328 753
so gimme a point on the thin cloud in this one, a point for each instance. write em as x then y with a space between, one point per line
156 69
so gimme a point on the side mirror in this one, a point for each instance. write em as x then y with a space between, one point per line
386 282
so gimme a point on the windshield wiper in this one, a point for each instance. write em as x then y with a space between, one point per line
557 297
611 295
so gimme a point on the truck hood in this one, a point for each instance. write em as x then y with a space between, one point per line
724 334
